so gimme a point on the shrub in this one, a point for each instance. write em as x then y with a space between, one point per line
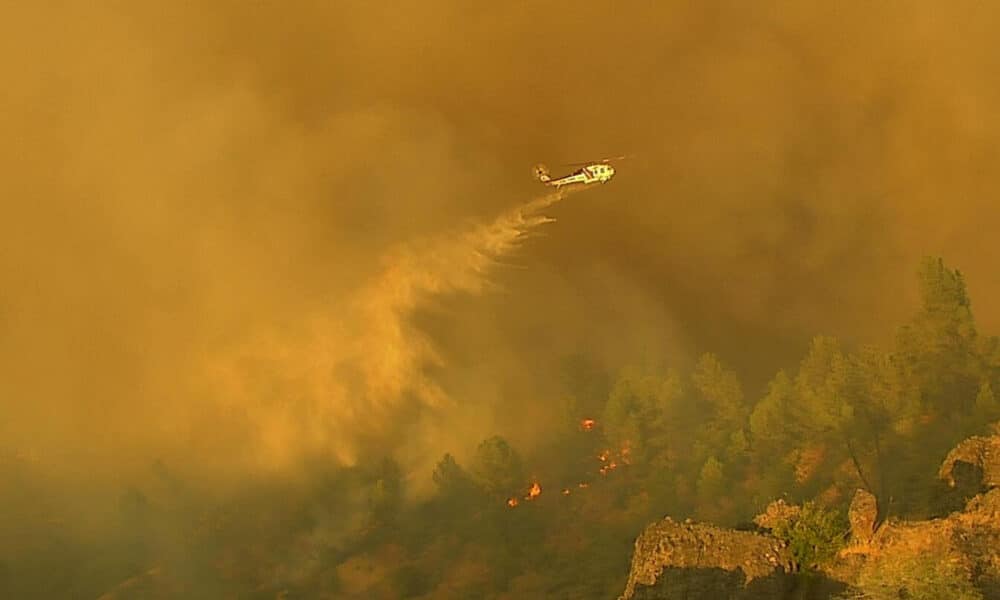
814 536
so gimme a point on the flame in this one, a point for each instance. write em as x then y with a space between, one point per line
610 460
512 502
565 492
587 424
583 485
534 492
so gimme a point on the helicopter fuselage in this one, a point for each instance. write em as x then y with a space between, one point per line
595 173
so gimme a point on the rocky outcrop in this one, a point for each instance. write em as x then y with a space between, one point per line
694 561
980 452
960 549
862 515
729 559
953 556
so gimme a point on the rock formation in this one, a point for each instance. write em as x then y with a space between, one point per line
739 556
957 556
862 515
978 451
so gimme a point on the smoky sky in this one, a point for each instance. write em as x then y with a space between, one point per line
203 201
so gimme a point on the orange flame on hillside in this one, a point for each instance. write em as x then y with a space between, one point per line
588 424
534 492
611 462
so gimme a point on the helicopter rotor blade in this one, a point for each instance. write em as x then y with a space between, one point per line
595 162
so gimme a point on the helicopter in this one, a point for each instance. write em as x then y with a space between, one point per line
599 171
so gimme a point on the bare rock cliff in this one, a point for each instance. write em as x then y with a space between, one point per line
701 559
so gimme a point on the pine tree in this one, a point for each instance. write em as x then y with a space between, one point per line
642 412
939 346
772 430
450 478
497 467
721 402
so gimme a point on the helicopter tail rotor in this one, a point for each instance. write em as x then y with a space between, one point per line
542 173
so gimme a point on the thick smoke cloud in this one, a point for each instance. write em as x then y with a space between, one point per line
198 197
341 387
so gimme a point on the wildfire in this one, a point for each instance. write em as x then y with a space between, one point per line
611 461
588 424
534 492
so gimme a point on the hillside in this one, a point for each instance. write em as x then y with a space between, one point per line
955 556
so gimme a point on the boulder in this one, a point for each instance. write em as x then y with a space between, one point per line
981 452
862 515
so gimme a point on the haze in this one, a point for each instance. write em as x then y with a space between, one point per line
239 235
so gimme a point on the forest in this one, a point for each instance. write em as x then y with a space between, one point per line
559 521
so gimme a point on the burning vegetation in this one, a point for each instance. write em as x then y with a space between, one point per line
534 492
692 445
609 461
